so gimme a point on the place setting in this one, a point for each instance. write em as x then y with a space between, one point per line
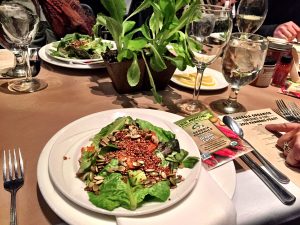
59 160
180 133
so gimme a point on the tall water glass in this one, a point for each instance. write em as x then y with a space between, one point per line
242 61
19 21
208 33
250 15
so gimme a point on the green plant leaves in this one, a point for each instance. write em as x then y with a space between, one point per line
134 73
162 29
144 5
115 28
156 61
116 9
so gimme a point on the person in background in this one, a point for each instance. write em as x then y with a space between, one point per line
67 16
289 142
44 33
283 20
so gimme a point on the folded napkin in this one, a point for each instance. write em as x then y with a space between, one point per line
7 60
207 204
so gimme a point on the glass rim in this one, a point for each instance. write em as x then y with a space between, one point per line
242 35
216 8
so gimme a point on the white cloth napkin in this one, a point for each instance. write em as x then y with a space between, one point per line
207 204
7 60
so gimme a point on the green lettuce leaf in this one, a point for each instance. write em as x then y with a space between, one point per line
114 193
163 135
118 124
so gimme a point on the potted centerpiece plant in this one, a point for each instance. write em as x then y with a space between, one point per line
156 47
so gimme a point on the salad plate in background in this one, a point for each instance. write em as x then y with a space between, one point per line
78 48
52 48
65 152
53 61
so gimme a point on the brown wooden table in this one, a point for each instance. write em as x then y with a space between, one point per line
28 121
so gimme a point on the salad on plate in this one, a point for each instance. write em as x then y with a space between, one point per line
130 162
79 47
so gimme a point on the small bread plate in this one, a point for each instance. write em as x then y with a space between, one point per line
212 79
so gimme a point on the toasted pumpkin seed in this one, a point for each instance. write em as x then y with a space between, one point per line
91 184
99 182
91 176
141 161
121 168
163 175
95 187
136 164
98 177
154 174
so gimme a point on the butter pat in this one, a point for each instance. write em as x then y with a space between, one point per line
7 60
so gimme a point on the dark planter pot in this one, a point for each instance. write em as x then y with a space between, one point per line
161 79
117 72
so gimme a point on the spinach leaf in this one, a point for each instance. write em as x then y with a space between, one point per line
190 162
177 157
163 135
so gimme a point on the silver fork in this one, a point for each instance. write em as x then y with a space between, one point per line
13 180
286 112
295 109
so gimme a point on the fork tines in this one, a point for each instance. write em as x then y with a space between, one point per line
295 109
15 167
289 111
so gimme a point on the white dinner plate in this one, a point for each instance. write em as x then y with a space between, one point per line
50 48
71 213
78 134
49 59
220 81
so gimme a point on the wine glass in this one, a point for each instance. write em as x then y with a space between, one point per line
208 33
243 59
18 25
250 15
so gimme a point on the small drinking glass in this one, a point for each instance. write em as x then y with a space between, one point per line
243 59
18 26
208 33
250 15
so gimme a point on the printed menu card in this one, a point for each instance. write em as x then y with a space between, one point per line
216 143
253 124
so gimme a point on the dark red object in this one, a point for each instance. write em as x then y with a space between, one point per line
282 70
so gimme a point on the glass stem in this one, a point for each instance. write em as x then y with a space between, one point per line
232 99
27 63
200 70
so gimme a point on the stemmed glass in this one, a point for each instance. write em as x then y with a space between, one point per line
250 15
208 33
18 25
243 59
